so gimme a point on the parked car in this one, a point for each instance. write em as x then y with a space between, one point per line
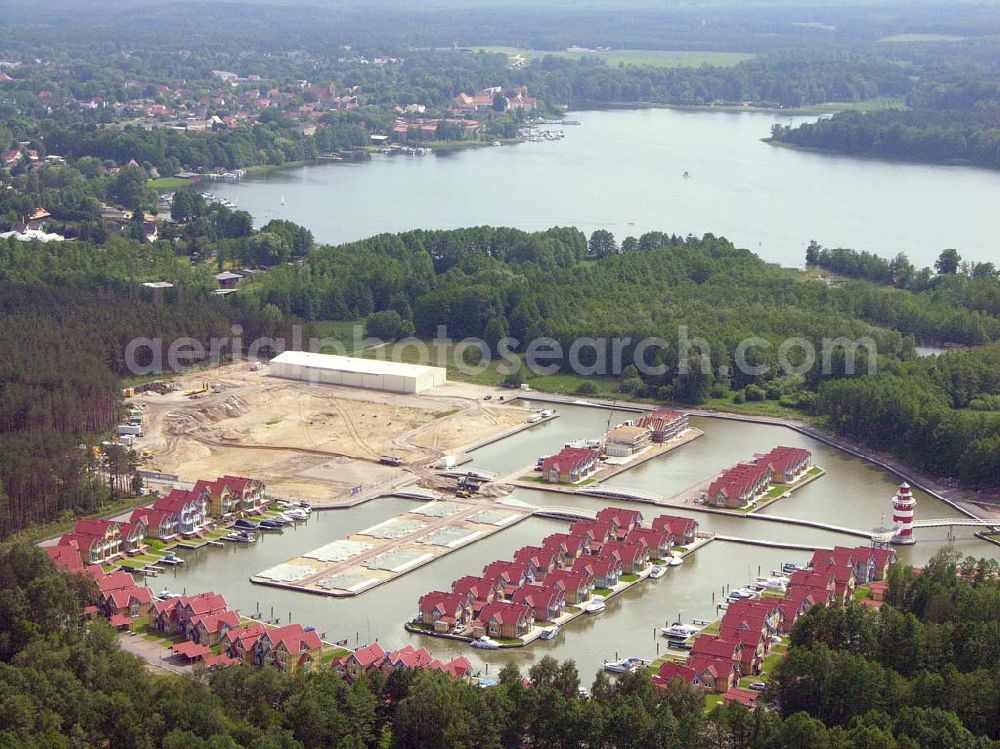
757 686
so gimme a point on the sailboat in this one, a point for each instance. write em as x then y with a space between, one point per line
282 199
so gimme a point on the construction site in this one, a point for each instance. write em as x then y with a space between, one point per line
322 443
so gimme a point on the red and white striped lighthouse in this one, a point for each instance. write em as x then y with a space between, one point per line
902 515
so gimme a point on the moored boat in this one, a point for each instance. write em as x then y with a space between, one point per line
550 633
679 631
485 643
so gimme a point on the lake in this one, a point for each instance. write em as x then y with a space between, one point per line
624 171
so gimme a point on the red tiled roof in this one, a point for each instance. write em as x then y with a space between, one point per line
563 541
94 526
65 558
781 459
536 557
504 613
120 620
597 567
570 458
652 538
115 581
190 649
677 525
175 501
510 571
459 667
569 580
593 528
539 597
439 600
216 621
204 603
715 647
409 657
623 550
742 696
123 597
368 655
153 518
295 637
478 587
246 633
619 516
672 670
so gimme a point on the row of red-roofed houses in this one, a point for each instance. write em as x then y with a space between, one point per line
179 513
743 484
509 597
749 627
371 658
206 622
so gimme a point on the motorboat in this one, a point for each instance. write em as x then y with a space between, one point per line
270 525
740 594
771 583
165 594
485 643
657 572
595 605
630 665
245 525
246 537
675 561
679 631
297 514
550 633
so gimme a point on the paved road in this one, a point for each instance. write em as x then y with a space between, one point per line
155 654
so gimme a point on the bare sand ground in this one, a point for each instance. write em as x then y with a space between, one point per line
309 441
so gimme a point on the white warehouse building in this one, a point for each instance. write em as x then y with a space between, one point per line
350 371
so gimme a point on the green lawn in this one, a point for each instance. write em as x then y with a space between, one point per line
862 592
602 591
712 700
656 57
713 628
169 183
629 578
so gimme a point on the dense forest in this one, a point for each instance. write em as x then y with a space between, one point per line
65 328
953 120
918 675
940 413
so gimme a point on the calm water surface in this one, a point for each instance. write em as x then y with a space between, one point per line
852 494
623 170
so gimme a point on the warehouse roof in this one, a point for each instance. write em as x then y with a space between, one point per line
352 364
